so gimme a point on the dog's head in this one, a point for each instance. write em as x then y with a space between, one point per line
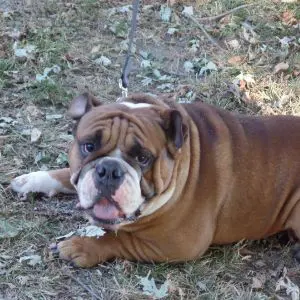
124 159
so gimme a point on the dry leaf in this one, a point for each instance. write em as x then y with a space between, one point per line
188 11
249 34
234 44
172 2
246 97
281 67
150 288
31 260
256 283
235 60
285 283
288 18
35 135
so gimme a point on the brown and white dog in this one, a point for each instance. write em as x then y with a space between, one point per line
167 180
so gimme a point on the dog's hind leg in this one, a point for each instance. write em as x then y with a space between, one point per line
46 182
293 223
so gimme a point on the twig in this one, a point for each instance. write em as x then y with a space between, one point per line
218 17
212 40
95 296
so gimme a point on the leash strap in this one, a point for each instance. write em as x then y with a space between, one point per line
123 81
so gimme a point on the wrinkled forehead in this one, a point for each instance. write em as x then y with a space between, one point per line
122 125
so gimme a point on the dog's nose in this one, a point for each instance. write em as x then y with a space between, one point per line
109 172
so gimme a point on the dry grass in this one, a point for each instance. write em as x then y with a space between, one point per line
73 35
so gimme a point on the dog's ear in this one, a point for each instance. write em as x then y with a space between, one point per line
81 105
175 127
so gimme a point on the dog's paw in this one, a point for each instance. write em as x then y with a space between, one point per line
77 250
38 182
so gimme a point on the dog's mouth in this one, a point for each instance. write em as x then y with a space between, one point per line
105 212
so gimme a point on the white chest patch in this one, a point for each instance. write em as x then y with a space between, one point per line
136 105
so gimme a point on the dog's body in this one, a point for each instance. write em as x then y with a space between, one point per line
169 180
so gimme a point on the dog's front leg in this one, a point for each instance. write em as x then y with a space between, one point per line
46 182
89 251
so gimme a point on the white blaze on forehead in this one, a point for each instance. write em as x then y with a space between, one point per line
117 153
136 105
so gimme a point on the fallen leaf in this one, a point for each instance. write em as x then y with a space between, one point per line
103 60
33 111
202 286
260 264
296 73
150 288
172 2
284 283
54 69
62 158
235 60
7 14
120 29
35 135
188 11
146 63
286 40
172 30
95 49
91 231
188 66
124 46
242 84
248 78
146 81
54 117
256 283
165 13
66 236
209 67
27 51
288 18
166 87
7 120
249 34
194 45
281 67
31 260
234 44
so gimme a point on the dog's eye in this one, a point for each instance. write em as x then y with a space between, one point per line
143 159
88 147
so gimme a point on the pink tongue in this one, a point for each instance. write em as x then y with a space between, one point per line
105 210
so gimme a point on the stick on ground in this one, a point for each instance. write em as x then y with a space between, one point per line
224 14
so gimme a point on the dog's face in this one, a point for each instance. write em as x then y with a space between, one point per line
124 158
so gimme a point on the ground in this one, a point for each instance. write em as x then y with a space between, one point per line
248 62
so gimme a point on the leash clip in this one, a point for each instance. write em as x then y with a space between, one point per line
123 89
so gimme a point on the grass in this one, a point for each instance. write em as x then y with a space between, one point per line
73 35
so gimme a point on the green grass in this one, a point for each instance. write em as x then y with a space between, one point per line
49 93
5 66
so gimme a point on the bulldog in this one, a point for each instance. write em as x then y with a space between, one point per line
167 180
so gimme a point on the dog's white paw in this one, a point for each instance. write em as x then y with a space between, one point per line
39 182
